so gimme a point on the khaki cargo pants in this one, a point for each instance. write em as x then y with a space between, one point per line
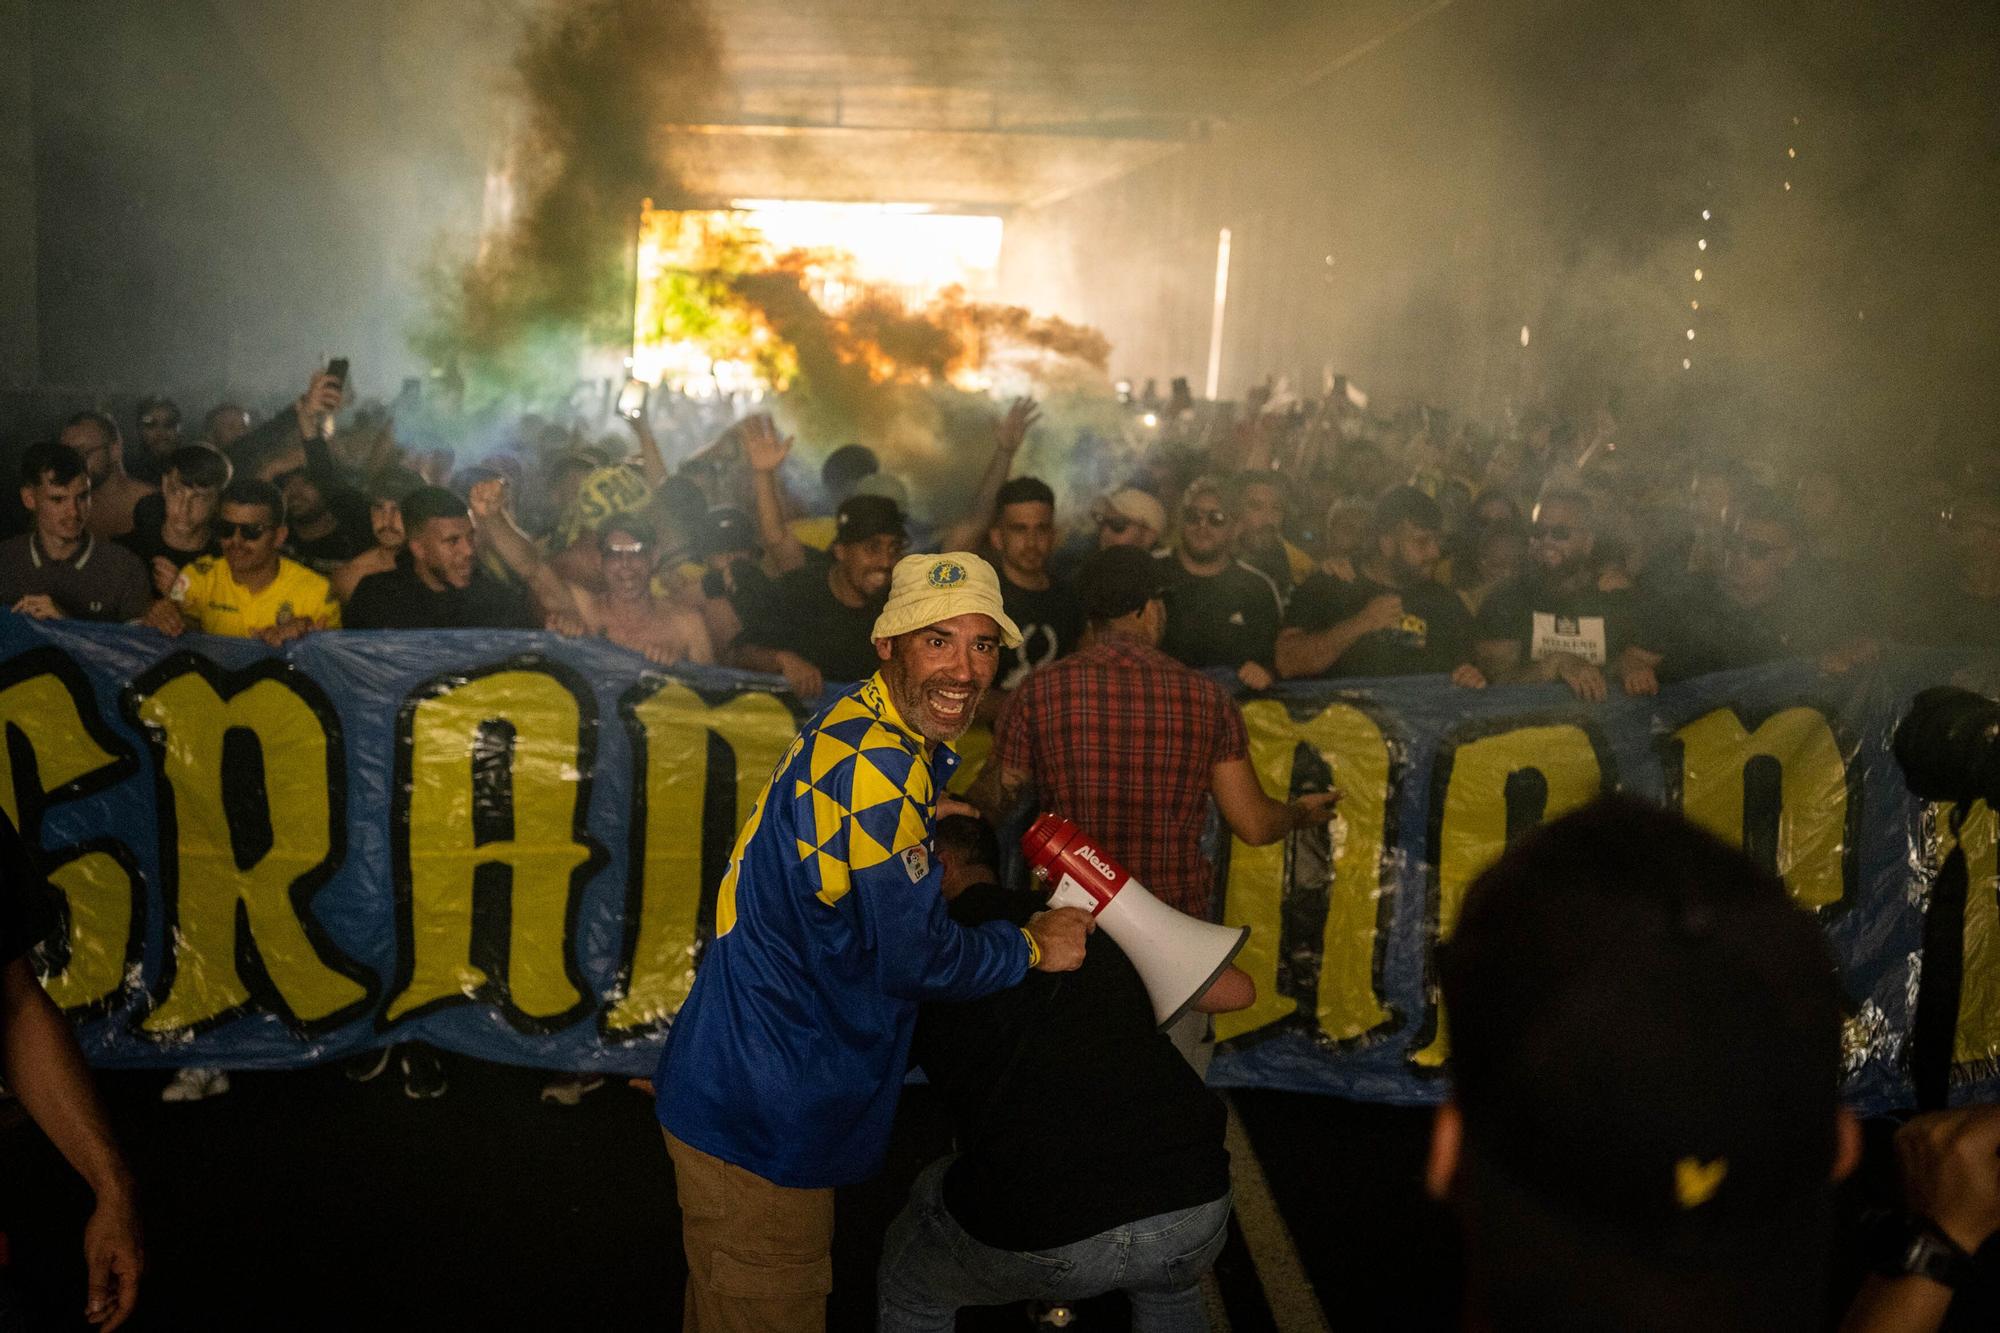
759 1255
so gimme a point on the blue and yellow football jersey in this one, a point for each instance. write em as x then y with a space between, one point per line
830 927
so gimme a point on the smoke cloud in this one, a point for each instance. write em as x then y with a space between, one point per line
595 82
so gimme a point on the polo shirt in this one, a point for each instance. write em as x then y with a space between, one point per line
102 581
213 602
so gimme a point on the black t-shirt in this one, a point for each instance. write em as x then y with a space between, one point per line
801 615
1435 636
398 599
353 532
1702 630
24 896
1545 620
1051 624
1936 612
1219 620
1070 1072
146 541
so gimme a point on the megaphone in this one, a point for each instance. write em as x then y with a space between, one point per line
1178 957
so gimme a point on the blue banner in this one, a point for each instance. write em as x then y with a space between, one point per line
508 844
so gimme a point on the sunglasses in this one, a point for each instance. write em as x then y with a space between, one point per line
626 548
158 423
286 478
1214 518
1552 532
1115 524
249 532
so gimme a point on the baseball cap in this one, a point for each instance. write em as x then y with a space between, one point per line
863 516
1135 504
725 528
1117 581
925 589
1645 1044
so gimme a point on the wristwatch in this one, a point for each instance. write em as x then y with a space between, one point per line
1919 1249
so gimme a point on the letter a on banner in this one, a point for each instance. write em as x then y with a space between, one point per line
252 818
675 834
490 851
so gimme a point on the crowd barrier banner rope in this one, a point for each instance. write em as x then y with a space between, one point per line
507 844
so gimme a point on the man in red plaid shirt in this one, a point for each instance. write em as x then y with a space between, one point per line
1132 746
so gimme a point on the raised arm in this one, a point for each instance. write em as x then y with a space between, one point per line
1008 434
493 529
765 450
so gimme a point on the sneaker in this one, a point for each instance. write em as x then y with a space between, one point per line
569 1089
368 1065
423 1075
195 1083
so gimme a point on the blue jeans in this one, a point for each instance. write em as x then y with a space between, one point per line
930 1266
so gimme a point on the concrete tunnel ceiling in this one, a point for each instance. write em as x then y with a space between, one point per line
990 105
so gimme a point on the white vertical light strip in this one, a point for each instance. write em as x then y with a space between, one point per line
1221 304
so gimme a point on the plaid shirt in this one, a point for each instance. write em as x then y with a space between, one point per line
1123 740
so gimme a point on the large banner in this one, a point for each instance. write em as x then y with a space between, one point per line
508 844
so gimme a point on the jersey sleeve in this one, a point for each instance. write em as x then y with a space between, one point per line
862 813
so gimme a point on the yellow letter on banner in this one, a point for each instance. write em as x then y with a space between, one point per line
672 731
1811 817
205 888
1473 825
1977 1044
1352 744
97 886
533 723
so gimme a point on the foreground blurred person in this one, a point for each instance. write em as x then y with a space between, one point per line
1645 1129
1139 1203
41 1063
781 1073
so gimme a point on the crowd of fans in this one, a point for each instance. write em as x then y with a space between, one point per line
1284 540
1293 540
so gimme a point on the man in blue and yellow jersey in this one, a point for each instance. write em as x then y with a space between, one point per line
250 591
780 1077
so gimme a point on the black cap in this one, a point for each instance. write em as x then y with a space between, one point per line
863 516
1117 581
725 528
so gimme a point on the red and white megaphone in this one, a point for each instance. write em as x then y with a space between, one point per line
1178 957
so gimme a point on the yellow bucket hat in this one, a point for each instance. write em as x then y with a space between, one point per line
928 588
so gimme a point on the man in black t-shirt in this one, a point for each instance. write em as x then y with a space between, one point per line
1955 600
1023 536
437 582
329 520
176 525
1393 619
1076 1077
1758 607
817 623
1556 622
1220 611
